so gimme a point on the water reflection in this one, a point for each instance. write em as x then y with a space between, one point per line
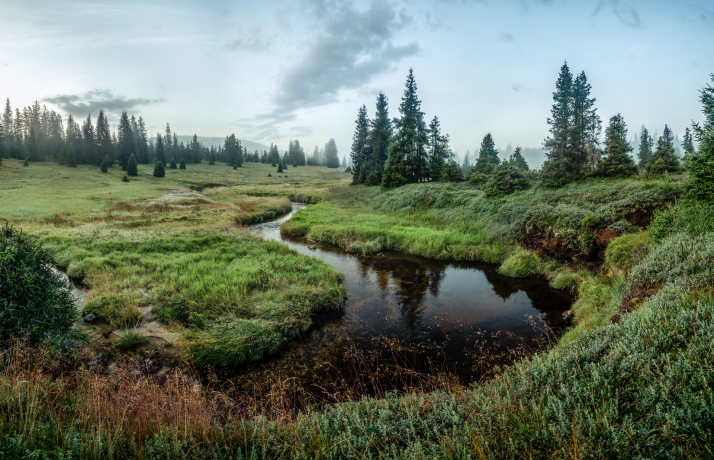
436 311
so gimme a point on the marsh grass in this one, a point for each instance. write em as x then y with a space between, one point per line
131 339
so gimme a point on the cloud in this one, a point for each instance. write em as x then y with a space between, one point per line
506 37
518 88
96 100
626 14
354 48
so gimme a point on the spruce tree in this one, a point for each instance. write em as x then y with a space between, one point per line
182 165
105 146
505 179
280 167
331 158
212 158
644 155
106 164
126 141
406 160
556 170
160 152
26 163
439 151
701 163
617 161
688 144
664 158
358 151
70 158
377 142
32 149
466 165
487 156
585 129
142 144
172 164
89 142
131 166
518 161
159 170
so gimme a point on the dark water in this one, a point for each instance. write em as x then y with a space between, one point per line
430 316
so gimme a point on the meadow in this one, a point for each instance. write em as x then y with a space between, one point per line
631 379
177 245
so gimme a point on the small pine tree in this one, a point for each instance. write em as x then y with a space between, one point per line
106 164
125 179
131 167
644 154
504 180
617 161
487 156
70 157
280 168
701 163
172 165
159 170
182 165
518 161
26 163
212 159
664 159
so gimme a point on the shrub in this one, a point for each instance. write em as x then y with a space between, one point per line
521 264
35 301
159 170
625 252
131 339
506 179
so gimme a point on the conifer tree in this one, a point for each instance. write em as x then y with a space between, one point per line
487 156
7 130
274 155
406 160
233 151
377 142
466 165
357 152
172 164
32 150
106 164
701 163
518 161
331 158
126 141
159 170
584 130
168 139
212 158
688 144
105 146
439 151
182 165
664 158
280 167
89 142
617 161
644 155
159 150
70 158
26 163
556 170
142 144
131 166
505 179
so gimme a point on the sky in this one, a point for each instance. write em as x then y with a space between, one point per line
275 70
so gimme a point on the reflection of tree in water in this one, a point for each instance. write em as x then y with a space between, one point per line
413 278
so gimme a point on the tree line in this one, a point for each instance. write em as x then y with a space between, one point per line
405 150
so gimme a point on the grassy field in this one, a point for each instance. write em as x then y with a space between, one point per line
176 244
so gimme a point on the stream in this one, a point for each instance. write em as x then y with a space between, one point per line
427 316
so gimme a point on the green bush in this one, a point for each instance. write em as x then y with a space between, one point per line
35 301
504 180
625 252
521 264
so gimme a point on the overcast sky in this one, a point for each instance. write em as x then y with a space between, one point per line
270 71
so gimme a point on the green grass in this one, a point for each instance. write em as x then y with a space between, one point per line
160 242
131 339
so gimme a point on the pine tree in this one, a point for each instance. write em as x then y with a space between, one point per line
142 144
585 130
172 164
106 164
70 158
406 160
233 151
557 170
688 144
617 161
664 158
357 152
296 154
331 158
487 156
377 142
105 146
505 179
126 141
168 139
466 165
644 154
159 170
212 158
701 163
160 152
280 167
439 151
518 161
32 150
131 166
274 155
89 142
182 165
7 131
